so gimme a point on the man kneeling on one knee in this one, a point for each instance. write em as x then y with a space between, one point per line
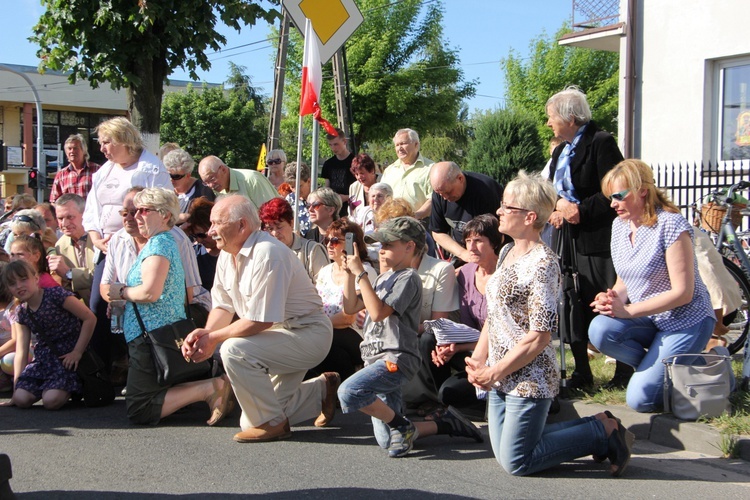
281 332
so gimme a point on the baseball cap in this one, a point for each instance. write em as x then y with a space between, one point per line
399 229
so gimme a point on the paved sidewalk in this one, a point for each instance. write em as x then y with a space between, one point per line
661 429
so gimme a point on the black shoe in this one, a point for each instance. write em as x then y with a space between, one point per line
620 445
619 381
601 458
459 425
579 382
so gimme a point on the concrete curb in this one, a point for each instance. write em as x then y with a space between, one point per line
662 429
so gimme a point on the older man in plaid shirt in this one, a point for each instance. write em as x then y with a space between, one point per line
76 177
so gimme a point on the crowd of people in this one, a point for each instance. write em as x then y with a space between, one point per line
419 290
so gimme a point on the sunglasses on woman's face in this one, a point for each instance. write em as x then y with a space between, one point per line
317 205
176 177
277 161
620 195
333 241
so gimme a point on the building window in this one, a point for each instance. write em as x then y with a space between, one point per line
734 109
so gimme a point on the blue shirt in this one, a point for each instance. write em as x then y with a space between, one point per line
642 266
168 308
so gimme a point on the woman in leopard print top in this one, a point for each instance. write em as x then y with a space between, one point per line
514 360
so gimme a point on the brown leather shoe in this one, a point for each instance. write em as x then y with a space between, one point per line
333 381
265 432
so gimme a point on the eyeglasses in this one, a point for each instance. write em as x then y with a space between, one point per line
277 161
509 209
333 241
125 212
176 177
620 195
145 210
317 204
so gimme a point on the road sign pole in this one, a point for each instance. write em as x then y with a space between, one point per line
274 127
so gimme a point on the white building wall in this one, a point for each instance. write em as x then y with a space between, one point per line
677 43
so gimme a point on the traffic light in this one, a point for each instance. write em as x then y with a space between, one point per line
33 178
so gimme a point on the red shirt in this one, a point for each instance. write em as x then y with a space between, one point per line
70 180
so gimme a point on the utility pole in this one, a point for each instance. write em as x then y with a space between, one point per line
339 85
274 127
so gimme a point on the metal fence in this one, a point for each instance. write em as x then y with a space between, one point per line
689 184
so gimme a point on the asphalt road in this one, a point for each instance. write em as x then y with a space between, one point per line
81 453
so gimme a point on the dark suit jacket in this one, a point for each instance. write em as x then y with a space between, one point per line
595 155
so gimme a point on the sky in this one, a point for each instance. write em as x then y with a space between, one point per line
483 32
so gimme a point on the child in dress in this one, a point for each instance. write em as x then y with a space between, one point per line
7 339
56 316
31 249
390 348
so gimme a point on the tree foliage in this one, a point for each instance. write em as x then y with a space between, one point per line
401 74
137 44
230 124
505 141
550 68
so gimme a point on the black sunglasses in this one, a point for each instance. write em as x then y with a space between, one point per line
277 161
176 177
335 240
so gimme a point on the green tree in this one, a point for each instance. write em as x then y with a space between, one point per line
230 124
505 141
401 74
550 68
137 44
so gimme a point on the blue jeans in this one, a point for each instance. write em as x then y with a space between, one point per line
639 343
524 444
365 386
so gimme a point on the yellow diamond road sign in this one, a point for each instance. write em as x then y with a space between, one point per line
333 21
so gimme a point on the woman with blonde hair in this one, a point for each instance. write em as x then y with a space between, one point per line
659 305
128 164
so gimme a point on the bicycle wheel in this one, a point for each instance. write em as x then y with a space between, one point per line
738 328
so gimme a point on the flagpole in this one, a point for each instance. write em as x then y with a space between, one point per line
314 168
300 130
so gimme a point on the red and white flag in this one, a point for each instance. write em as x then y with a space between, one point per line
312 79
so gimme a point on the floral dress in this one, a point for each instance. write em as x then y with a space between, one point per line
523 297
62 329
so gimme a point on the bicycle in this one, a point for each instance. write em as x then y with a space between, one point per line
735 257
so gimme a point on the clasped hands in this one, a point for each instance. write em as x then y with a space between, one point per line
610 304
198 345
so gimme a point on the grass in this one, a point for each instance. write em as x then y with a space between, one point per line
738 423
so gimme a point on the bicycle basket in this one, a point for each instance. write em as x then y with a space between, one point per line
711 215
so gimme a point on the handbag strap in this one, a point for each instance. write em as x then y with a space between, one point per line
140 320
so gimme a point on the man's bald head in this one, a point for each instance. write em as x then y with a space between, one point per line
214 173
447 180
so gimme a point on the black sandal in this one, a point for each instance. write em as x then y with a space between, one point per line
620 445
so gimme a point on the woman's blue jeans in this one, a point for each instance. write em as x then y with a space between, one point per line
524 444
639 343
